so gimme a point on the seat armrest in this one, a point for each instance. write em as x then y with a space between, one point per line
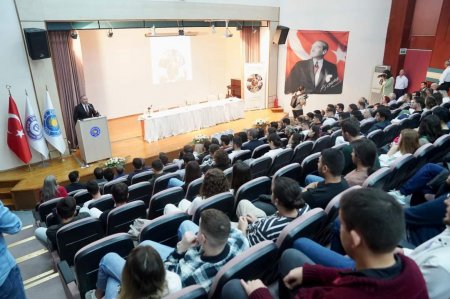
66 272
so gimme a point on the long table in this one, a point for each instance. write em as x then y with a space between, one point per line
185 119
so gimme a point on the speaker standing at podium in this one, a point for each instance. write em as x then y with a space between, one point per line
84 110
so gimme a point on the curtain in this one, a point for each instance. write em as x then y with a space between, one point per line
250 40
68 66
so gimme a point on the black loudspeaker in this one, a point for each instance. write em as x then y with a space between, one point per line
280 35
37 43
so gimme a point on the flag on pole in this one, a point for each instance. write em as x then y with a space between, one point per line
17 141
33 127
52 131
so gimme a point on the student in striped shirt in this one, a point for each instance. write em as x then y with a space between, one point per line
287 198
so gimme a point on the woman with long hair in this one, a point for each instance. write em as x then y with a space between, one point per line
387 83
314 133
240 175
430 129
141 276
408 143
214 182
192 172
294 140
363 156
51 189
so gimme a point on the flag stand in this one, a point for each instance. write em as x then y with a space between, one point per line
29 167
43 162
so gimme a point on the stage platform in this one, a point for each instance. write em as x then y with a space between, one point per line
19 188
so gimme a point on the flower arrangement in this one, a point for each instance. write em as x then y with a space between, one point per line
114 162
200 139
261 122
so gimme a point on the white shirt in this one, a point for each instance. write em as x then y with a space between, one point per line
445 76
401 82
329 121
273 153
316 77
233 154
445 100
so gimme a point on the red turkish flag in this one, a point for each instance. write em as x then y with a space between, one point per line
17 140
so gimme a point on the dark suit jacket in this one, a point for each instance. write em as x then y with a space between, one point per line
252 144
79 113
75 186
302 74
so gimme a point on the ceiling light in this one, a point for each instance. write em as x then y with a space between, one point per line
180 31
227 30
74 34
110 33
213 28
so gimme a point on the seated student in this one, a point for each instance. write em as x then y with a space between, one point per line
444 115
137 165
198 258
377 272
253 142
329 120
192 172
187 149
284 123
119 194
142 275
429 129
367 117
158 170
98 173
240 175
355 112
243 135
237 144
225 142
275 146
119 171
65 210
294 140
187 157
317 120
108 174
408 143
363 156
314 133
94 190
221 161
214 182
50 189
382 116
202 150
208 161
330 166
339 108
430 102
74 178
164 158
288 202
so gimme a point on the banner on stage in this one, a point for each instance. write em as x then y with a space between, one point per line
316 60
255 86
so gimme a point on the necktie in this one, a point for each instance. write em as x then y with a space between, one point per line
86 108
316 67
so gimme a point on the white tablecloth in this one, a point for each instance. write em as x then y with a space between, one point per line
190 118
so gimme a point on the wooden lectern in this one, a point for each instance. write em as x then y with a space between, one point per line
93 139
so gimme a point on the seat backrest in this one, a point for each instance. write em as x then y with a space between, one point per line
260 150
403 124
120 218
72 193
73 236
46 208
140 191
414 120
304 226
423 155
108 186
190 292
228 173
142 177
87 259
376 136
401 170
281 159
289 171
441 148
81 197
335 135
171 168
158 201
377 179
309 165
106 202
260 167
253 189
242 155
193 189
389 134
284 142
321 144
223 202
248 265
302 151
366 126
162 181
332 207
164 229
425 114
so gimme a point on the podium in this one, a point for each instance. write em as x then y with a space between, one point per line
93 139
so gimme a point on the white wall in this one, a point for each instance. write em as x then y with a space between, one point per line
367 23
118 70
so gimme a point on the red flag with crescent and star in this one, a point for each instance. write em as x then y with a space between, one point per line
17 140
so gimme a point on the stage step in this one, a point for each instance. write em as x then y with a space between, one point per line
5 194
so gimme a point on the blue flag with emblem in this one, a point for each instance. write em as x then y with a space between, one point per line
52 131
33 127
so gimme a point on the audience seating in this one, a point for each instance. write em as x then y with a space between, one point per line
106 202
158 201
243 155
340 146
171 168
120 218
282 159
335 135
190 292
51 219
108 186
441 147
162 181
389 134
414 120
193 188
260 150
423 155
260 167
228 150
142 177
263 139
304 226
228 173
248 265
284 142
140 191
164 229
81 197
321 144
378 178
366 126
309 165
425 114
253 189
401 170
376 136
302 151
72 193
395 112
446 105
289 171
204 159
75 235
403 124
222 201
46 208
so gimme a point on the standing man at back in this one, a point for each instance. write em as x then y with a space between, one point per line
401 84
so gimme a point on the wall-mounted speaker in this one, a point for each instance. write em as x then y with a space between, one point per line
37 43
280 35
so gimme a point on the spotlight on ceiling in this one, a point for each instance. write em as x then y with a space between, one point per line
181 32
227 30
110 33
213 28
74 34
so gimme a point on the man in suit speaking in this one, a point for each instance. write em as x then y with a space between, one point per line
84 110
316 74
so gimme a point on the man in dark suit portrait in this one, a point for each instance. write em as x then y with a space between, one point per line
316 74
84 110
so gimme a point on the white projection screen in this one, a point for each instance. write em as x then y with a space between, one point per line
171 59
